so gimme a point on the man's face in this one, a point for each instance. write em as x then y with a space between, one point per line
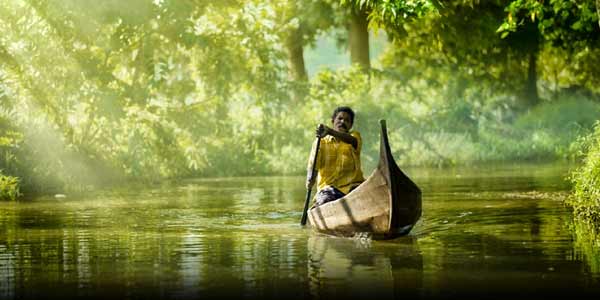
342 122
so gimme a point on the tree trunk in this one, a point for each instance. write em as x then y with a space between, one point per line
531 47
295 52
296 68
294 47
358 37
598 10
531 94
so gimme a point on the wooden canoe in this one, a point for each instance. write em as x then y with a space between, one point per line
387 204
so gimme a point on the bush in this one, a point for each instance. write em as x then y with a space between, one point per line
9 187
586 179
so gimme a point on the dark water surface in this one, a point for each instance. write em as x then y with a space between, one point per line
489 232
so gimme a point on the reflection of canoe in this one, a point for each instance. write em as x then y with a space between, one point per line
345 269
358 269
387 204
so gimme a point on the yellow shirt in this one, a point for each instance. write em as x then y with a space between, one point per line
338 163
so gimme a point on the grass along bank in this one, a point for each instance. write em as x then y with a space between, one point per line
586 179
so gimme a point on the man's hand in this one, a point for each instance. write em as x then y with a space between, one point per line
322 130
310 183
310 180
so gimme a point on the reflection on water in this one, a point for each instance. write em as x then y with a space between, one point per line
341 268
587 244
495 232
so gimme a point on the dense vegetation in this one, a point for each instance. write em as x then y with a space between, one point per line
586 179
585 199
148 90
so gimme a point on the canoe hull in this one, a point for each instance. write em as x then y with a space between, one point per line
386 205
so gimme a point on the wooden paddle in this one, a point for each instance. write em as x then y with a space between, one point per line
312 172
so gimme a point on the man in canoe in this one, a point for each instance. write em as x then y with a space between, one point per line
338 161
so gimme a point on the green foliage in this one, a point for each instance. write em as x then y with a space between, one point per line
563 22
310 17
148 90
10 141
9 187
457 49
571 27
561 122
586 180
391 14
576 73
141 90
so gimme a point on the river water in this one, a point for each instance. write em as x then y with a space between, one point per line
486 232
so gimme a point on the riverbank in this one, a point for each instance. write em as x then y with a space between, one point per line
585 200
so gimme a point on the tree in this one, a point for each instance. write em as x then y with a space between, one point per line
145 87
301 22
376 14
573 26
358 38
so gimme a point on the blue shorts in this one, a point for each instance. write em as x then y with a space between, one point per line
328 194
